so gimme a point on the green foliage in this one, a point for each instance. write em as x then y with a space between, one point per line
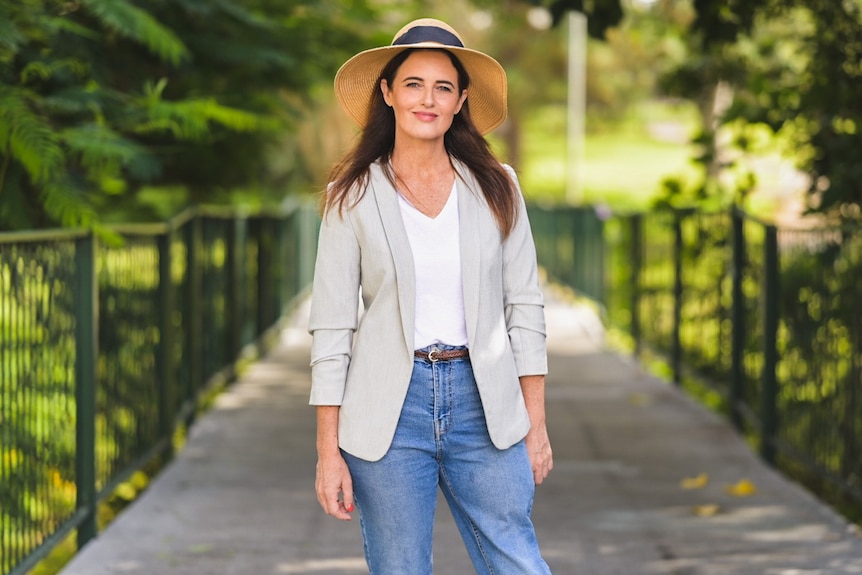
721 22
792 66
27 136
100 99
129 21
601 14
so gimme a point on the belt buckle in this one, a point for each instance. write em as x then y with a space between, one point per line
431 353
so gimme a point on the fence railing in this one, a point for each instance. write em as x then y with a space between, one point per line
769 318
105 349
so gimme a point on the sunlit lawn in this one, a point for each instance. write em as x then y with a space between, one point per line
623 167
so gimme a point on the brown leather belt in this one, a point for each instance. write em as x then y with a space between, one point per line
442 354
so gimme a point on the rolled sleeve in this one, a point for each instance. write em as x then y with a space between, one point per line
334 304
329 366
523 300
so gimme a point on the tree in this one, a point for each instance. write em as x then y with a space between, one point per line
792 67
709 76
100 98
823 107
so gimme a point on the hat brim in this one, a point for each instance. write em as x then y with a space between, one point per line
356 81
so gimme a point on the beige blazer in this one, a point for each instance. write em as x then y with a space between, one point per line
364 365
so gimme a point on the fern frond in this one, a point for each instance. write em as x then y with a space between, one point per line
153 90
136 24
29 137
232 118
10 35
190 119
58 24
65 202
102 151
74 100
45 70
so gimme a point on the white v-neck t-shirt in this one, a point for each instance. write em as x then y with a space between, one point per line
436 247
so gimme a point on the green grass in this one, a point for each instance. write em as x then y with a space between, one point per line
623 166
626 161
625 171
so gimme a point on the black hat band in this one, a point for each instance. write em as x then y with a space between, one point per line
419 34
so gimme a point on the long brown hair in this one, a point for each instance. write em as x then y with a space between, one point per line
463 142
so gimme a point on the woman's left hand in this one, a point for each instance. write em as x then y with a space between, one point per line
537 440
539 449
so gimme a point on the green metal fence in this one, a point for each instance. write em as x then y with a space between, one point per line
571 244
769 318
105 349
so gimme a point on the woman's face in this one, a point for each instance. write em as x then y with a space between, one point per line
424 96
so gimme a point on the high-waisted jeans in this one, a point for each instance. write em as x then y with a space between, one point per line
442 440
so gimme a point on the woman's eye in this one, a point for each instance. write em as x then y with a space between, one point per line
413 84
445 88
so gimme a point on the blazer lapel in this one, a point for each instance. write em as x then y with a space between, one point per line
469 206
399 245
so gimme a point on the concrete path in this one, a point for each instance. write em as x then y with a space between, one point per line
239 500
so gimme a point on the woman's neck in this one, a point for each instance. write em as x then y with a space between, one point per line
420 159
423 176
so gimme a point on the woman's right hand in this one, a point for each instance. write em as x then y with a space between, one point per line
334 486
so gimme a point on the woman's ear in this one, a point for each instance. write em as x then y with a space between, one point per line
461 101
384 88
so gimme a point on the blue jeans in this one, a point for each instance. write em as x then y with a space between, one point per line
442 440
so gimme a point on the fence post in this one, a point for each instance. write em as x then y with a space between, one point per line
290 258
166 359
86 358
194 309
588 242
600 253
636 256
737 318
769 420
233 300
676 353
266 274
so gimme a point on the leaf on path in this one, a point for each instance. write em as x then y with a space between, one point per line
694 482
742 488
706 510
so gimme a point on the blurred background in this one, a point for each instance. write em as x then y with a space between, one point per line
125 111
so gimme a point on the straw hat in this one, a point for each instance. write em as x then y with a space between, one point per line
357 79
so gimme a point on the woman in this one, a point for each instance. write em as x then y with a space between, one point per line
441 383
